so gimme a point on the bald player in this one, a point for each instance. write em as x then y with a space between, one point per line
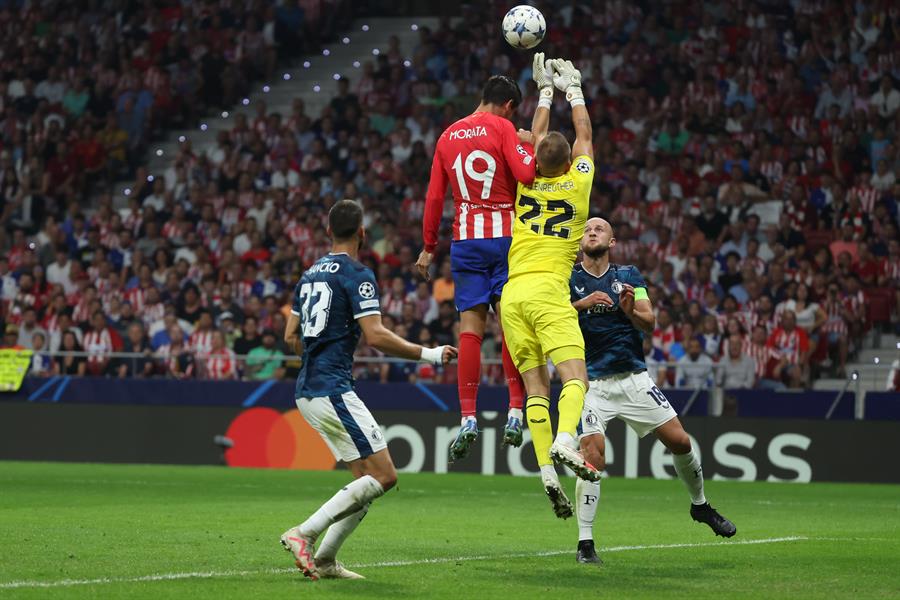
614 314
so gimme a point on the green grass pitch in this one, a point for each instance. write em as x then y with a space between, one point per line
124 531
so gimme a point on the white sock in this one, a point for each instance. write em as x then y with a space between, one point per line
565 438
691 473
515 412
464 419
337 533
588 494
347 501
549 471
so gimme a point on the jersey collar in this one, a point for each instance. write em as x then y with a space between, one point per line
600 276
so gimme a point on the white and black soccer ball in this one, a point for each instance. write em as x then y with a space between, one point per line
524 27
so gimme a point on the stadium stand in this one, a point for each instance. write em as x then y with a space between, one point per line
746 153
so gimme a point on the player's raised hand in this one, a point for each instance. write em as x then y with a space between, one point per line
626 300
565 75
423 263
542 72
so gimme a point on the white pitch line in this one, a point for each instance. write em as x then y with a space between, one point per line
393 563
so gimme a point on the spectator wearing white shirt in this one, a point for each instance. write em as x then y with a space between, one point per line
284 176
886 100
59 271
739 370
694 369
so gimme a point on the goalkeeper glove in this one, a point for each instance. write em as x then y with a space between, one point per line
568 79
542 73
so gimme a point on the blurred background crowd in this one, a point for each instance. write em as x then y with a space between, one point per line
746 155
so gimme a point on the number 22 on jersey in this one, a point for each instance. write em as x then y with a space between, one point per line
541 222
314 315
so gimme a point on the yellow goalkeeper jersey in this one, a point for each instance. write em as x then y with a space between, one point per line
550 218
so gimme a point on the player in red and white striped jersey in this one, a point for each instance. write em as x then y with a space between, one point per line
482 159
221 363
793 343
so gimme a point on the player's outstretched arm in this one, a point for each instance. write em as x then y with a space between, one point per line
387 341
542 73
434 207
292 334
568 79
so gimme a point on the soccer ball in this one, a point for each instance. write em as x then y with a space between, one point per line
524 27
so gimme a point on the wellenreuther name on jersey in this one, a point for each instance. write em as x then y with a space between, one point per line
467 134
559 186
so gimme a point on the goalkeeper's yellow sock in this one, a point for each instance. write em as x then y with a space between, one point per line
571 403
537 415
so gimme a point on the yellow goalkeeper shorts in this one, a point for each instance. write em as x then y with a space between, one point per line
539 321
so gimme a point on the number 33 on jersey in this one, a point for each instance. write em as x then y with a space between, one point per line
550 218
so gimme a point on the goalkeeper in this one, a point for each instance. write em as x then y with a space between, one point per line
537 315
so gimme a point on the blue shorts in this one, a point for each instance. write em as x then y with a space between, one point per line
479 269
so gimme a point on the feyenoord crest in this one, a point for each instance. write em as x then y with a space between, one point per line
617 286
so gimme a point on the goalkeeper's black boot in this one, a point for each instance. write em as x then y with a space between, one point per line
704 513
586 553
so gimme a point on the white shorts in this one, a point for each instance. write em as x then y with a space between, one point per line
632 397
345 424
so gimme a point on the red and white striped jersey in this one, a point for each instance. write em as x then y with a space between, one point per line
755 263
201 342
835 322
762 356
663 339
867 196
481 159
791 344
81 312
98 344
221 364
891 267
137 297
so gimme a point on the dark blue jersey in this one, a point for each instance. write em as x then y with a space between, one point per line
612 344
334 292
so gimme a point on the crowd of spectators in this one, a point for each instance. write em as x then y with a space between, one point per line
746 154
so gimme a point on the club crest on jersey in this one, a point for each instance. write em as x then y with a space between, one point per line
467 134
590 418
366 290
617 286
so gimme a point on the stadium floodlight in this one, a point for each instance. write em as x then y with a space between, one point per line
407 63
898 345
182 139
266 89
414 27
376 51
326 52
286 76
877 360
356 64
336 76
316 88
127 191
203 126
306 64
245 101
150 178
365 28
854 375
224 114
159 152
345 40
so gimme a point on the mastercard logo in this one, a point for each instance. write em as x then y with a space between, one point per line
267 438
